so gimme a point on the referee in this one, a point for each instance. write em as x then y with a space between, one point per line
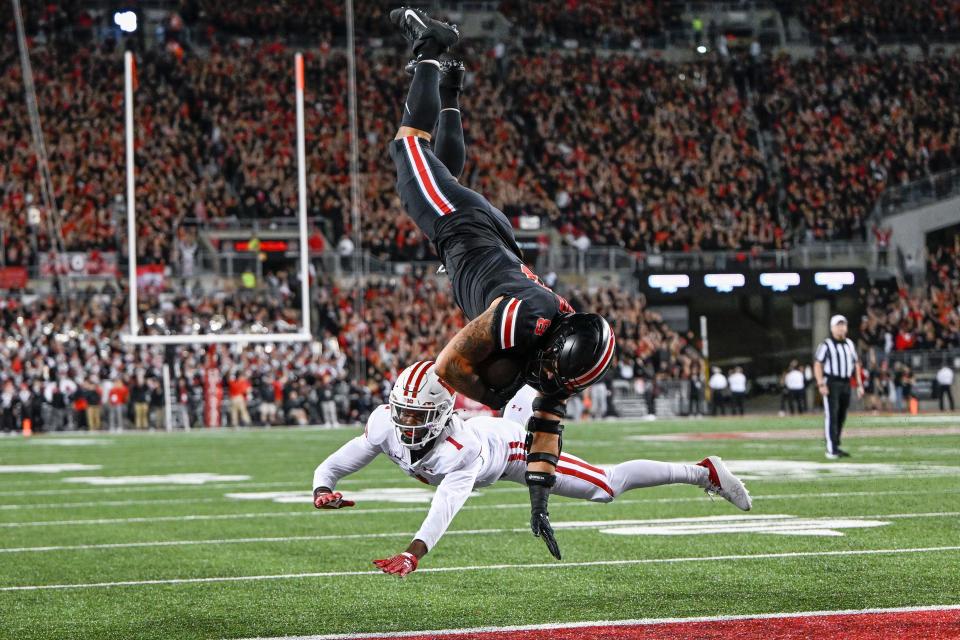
834 364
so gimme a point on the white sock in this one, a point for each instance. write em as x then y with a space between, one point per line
636 474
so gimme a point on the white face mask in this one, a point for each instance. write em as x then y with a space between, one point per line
416 426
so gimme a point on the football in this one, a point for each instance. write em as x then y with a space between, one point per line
500 371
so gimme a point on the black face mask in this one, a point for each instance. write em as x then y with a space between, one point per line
541 372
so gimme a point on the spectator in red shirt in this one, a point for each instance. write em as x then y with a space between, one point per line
237 389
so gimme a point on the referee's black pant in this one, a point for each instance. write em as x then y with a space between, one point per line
835 407
944 391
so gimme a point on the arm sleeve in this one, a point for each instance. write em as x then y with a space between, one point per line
521 322
450 496
821 354
351 457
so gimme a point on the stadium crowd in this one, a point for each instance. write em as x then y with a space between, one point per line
63 363
628 151
622 150
927 318
847 127
880 20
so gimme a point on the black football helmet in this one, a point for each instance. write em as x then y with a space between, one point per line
575 353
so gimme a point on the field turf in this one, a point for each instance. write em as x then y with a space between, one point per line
878 530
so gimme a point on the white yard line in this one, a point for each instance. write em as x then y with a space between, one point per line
419 509
517 489
169 487
148 488
106 503
489 567
621 623
565 526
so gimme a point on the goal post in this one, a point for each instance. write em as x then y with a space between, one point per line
303 334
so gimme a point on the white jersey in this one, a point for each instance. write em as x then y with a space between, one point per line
520 408
737 382
468 454
794 380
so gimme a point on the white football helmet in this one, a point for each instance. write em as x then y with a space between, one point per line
420 404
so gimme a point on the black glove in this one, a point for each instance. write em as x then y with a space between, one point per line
540 518
497 399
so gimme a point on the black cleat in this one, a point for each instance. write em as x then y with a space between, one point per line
451 73
842 453
419 29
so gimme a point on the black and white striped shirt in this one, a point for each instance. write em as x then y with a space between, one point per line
838 358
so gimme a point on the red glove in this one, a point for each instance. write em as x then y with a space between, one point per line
399 565
323 498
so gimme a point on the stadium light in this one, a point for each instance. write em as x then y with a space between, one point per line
724 282
669 283
780 281
126 20
834 280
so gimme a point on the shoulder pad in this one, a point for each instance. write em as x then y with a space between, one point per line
379 425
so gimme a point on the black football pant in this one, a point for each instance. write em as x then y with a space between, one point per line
835 407
945 391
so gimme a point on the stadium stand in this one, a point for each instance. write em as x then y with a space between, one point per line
882 20
72 343
724 153
690 171
920 318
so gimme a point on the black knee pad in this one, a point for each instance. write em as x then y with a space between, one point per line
540 479
542 425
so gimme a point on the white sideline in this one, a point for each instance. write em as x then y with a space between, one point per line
485 491
620 623
565 526
487 567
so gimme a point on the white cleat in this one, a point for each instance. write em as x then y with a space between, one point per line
721 482
832 456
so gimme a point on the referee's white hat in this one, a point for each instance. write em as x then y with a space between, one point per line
837 319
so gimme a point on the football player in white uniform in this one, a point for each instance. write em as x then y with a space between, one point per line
420 432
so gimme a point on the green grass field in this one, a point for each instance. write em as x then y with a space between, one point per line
879 530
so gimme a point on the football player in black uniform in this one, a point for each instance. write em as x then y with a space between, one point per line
513 315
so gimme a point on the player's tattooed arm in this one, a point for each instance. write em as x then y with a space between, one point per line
457 363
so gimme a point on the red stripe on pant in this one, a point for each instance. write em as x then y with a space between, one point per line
581 463
426 179
583 476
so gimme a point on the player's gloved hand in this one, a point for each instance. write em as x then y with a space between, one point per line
541 527
324 498
399 565
496 399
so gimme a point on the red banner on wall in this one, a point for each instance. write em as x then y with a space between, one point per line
13 277
79 264
151 278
